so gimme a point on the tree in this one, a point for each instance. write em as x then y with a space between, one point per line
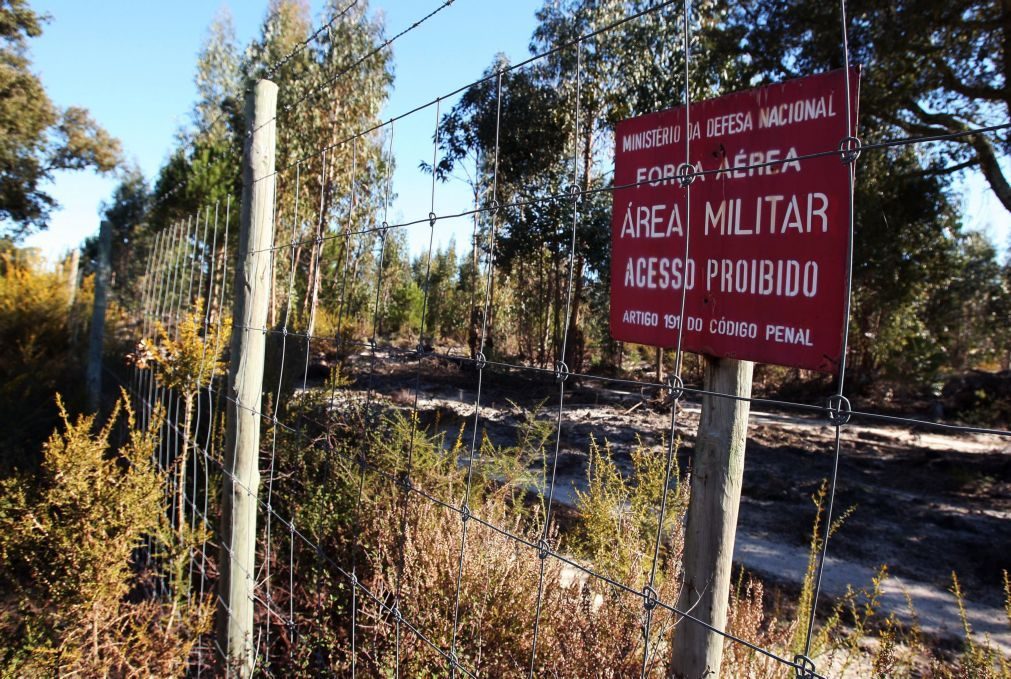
326 102
907 228
969 313
934 68
205 167
330 176
127 211
633 68
904 249
37 138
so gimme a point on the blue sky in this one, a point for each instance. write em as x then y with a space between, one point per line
132 65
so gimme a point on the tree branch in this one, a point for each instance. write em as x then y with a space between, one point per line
985 155
951 169
960 86
991 169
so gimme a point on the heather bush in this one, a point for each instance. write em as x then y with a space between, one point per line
341 476
378 492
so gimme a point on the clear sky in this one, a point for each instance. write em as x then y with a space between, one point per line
132 62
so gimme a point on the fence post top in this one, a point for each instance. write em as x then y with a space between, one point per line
265 86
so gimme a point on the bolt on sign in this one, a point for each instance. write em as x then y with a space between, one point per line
765 227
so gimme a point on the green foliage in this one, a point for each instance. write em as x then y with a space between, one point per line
69 536
404 309
318 110
37 138
970 314
907 652
185 361
620 513
206 168
446 312
977 659
190 356
909 252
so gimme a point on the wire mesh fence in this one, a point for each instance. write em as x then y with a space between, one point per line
434 498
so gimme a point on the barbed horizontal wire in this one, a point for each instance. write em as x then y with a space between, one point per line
567 195
492 76
949 136
385 44
303 44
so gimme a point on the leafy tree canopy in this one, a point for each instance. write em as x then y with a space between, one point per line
931 68
38 138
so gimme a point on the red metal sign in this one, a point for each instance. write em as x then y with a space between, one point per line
765 228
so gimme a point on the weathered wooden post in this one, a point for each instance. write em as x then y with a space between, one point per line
72 274
241 480
96 335
711 525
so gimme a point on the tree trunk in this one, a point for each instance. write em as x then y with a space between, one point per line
575 346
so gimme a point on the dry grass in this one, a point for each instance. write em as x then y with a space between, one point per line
405 548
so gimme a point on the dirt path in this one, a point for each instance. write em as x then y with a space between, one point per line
936 610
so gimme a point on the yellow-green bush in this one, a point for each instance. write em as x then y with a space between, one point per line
73 596
41 334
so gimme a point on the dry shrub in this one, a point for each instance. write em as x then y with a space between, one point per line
747 619
404 546
854 639
407 549
586 627
978 659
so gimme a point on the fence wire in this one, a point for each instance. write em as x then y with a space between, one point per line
189 269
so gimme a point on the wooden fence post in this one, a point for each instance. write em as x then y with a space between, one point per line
72 275
717 472
241 480
96 334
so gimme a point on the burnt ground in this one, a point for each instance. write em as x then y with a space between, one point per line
925 502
